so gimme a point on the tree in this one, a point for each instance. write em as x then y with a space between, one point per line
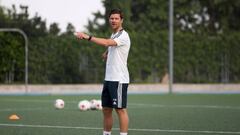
54 29
206 37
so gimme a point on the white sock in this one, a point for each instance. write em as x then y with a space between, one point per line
122 133
106 133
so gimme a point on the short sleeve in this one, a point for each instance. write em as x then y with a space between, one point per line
123 39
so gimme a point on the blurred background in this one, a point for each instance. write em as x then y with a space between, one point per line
41 61
206 42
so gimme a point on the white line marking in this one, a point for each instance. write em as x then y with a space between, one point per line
131 129
186 131
47 126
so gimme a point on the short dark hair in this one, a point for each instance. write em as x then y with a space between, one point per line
116 11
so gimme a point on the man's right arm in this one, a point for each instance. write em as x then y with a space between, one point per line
103 41
99 41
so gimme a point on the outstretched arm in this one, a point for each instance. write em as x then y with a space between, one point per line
99 41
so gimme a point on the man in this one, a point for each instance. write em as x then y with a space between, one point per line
114 94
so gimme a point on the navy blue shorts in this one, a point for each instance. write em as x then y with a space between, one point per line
114 94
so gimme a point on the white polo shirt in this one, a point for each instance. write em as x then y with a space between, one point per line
116 66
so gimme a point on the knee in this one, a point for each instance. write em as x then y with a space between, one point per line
107 111
121 111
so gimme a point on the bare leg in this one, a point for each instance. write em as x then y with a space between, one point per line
123 120
107 119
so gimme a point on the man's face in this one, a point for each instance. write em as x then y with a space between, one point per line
115 21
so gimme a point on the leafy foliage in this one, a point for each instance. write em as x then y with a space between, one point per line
206 44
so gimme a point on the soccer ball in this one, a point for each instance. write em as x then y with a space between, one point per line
59 104
99 105
96 104
93 104
84 105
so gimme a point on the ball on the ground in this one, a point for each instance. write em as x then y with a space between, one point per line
99 105
84 105
59 104
93 104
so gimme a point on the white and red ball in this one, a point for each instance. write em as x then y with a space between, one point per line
93 104
59 104
84 105
98 105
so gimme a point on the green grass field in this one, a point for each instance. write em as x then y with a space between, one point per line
160 114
